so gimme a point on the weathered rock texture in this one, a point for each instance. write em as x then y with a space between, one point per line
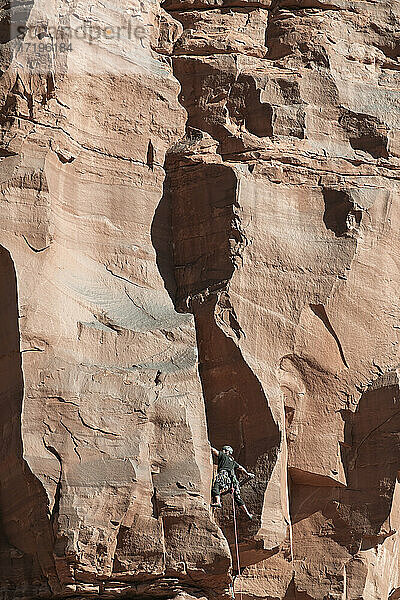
200 243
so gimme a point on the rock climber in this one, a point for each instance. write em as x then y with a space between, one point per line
226 479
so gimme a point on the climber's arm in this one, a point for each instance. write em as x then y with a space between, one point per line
214 451
245 471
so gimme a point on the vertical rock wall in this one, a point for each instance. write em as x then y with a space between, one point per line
199 243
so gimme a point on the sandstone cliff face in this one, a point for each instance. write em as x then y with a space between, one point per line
199 243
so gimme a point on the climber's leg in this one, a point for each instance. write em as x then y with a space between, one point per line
246 510
238 499
215 492
216 501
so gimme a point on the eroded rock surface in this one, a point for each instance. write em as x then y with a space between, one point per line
199 243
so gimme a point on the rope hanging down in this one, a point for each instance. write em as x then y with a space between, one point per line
236 546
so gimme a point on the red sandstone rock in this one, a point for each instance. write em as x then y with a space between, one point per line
199 244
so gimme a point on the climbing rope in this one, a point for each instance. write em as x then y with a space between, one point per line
236 547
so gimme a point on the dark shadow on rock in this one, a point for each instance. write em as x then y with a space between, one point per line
25 525
358 516
292 593
14 18
161 235
320 312
238 414
340 213
366 133
193 227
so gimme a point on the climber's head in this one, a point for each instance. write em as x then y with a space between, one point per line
227 449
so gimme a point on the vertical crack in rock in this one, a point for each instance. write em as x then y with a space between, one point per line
56 502
155 504
200 208
199 239
150 156
238 412
25 521
235 402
